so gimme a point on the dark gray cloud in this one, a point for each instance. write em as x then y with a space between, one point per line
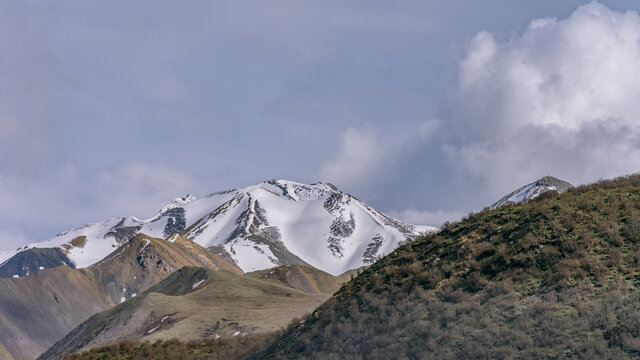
32 87
114 108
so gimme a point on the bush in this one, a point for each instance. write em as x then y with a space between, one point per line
551 278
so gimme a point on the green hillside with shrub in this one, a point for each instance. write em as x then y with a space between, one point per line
556 277
206 349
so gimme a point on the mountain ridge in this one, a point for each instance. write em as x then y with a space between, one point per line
277 222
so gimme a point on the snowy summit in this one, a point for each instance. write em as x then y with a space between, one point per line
277 222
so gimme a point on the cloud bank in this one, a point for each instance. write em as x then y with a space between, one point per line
422 217
359 156
559 99
103 114
31 90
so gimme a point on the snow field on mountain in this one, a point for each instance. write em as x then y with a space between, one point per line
253 222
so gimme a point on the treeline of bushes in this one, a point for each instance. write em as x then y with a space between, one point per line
238 347
497 323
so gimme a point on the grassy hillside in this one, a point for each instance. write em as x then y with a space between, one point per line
556 277
197 303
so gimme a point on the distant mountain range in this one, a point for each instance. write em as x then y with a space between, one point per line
274 223
277 222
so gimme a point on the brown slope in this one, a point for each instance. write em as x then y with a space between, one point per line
195 303
304 278
37 310
34 310
145 261
207 256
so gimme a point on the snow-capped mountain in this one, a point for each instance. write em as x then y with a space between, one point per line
277 222
530 191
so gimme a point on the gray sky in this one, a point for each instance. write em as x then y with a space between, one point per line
426 110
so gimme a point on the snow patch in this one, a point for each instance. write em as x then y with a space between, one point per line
250 256
147 242
198 283
424 229
173 238
178 202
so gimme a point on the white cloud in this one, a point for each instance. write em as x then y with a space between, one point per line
426 217
560 99
359 156
10 239
139 188
66 198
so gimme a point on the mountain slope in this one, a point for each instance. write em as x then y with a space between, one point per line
196 303
39 309
32 260
27 326
556 277
275 223
531 191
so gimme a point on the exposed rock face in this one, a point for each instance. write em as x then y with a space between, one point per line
175 221
372 249
535 189
122 233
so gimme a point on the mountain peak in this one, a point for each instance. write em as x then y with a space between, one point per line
551 181
177 202
276 222
294 190
532 190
